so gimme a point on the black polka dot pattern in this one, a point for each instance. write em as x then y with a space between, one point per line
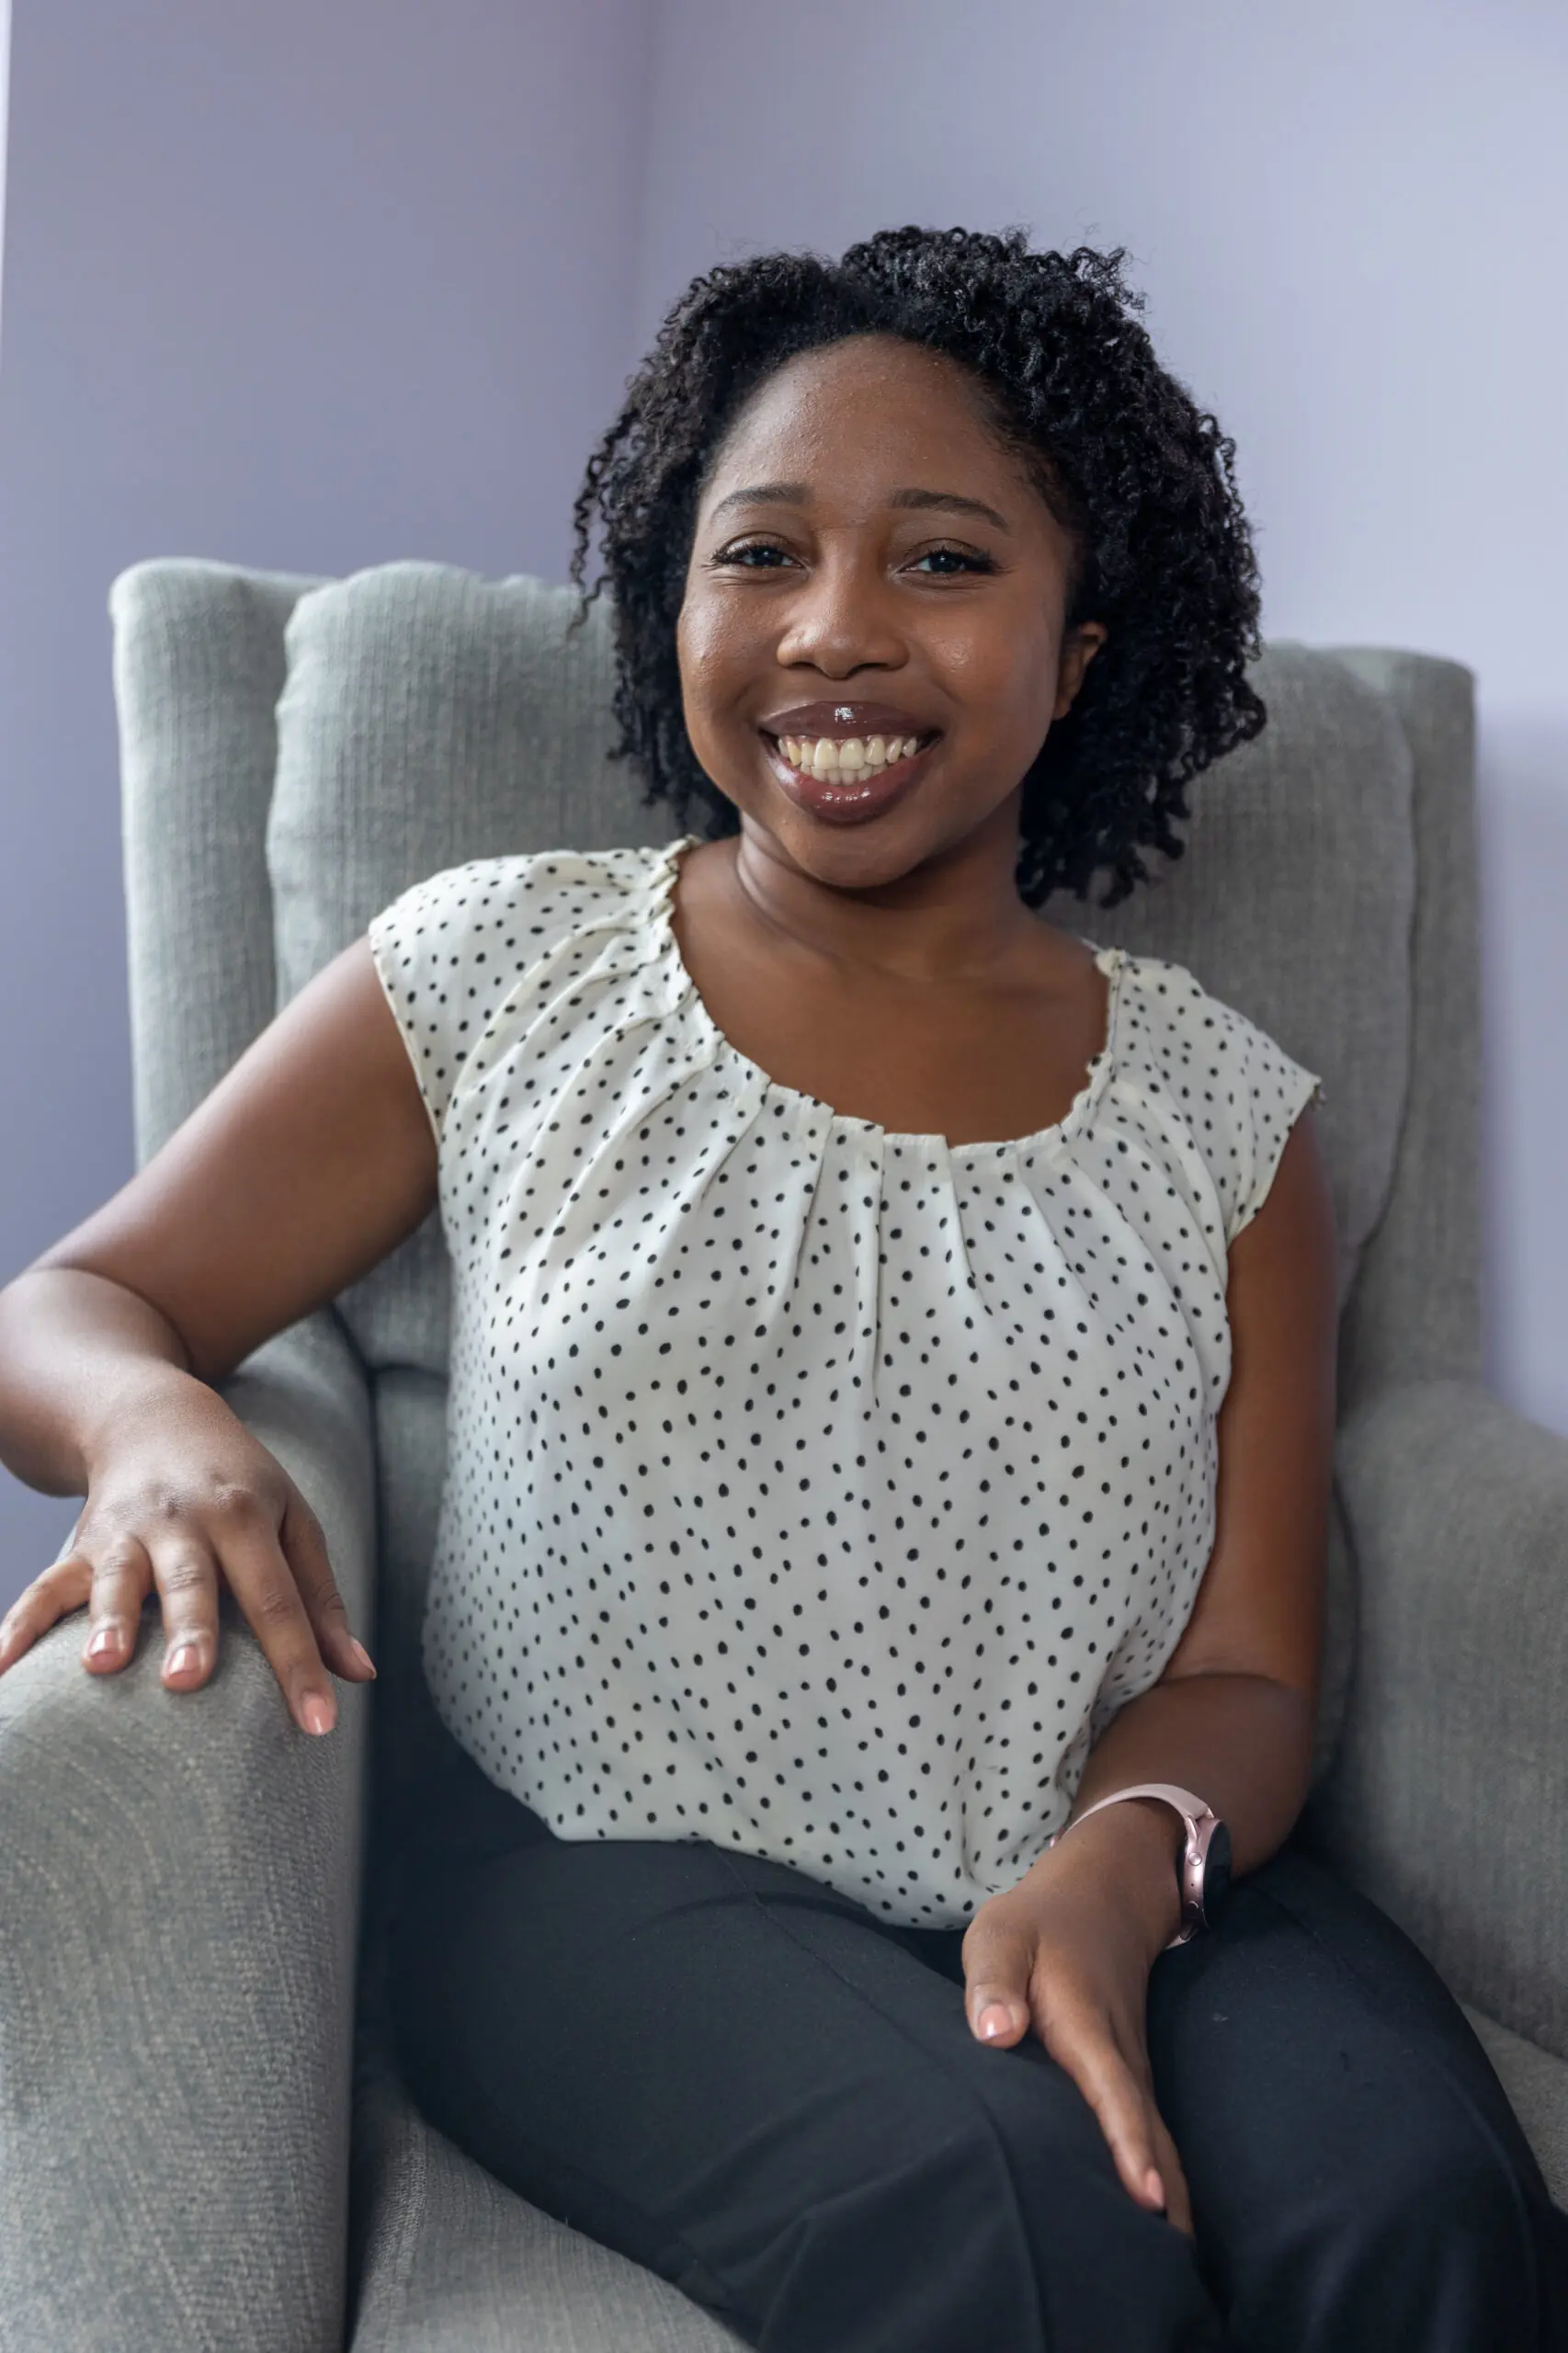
810 1489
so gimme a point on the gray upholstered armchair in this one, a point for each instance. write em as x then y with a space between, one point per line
203 2140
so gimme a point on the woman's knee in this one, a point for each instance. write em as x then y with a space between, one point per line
986 2230
922 2250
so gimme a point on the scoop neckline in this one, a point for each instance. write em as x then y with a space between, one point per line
1111 961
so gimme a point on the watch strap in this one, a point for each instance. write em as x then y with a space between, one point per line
1201 1822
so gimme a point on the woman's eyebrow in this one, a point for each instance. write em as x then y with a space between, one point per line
953 500
798 493
765 494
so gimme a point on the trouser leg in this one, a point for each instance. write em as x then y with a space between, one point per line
1359 2183
746 2082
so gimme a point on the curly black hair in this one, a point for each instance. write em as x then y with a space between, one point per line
1142 479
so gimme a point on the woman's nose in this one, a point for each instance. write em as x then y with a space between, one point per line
840 620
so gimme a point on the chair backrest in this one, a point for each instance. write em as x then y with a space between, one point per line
295 752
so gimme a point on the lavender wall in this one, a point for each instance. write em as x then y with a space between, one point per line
308 287
314 287
5 109
1348 219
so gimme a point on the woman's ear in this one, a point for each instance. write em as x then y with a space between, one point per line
1079 647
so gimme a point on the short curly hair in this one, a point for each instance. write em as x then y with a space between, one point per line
1142 479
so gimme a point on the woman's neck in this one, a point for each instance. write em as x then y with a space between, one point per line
954 918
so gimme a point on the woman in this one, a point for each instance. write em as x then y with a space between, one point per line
891 1410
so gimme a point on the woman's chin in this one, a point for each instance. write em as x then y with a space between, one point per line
872 855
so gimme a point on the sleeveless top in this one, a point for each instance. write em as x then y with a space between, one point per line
813 1490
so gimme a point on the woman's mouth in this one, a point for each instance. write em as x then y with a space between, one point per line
847 779
844 762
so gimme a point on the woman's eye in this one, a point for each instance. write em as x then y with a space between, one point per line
766 555
954 558
757 555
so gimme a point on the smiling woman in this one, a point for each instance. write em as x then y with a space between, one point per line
917 1334
890 1415
959 597
936 610
1133 481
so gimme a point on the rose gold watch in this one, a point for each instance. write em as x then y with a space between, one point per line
1206 1858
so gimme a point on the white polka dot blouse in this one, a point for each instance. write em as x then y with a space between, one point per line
813 1490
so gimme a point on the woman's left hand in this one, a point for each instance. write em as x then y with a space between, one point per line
1068 1952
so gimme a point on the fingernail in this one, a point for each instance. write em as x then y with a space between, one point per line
993 2020
361 1654
106 1639
1155 2188
185 1656
317 1715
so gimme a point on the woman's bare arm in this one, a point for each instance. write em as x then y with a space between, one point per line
310 1160
1069 1949
1233 1715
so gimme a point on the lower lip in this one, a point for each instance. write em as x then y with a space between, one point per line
871 794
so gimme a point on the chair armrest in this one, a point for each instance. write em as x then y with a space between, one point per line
179 1892
1449 1803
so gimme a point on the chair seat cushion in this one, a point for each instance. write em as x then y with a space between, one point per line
454 2262
1537 2083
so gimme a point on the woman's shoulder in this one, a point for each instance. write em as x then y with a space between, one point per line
1214 1072
452 949
1183 1024
516 903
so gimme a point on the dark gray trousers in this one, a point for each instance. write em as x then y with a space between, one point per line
745 2081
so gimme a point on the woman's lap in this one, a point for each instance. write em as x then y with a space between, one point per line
739 2078
1348 2147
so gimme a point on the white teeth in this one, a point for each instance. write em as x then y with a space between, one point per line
825 755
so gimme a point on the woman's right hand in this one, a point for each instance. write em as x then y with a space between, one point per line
179 1494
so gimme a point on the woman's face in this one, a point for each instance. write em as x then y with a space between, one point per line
871 569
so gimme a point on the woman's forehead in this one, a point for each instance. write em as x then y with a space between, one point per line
868 406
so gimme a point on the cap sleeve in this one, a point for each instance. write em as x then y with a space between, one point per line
1268 1092
446 958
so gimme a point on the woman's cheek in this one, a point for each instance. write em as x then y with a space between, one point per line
1003 665
718 665
712 634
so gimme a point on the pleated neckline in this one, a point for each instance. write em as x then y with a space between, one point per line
662 940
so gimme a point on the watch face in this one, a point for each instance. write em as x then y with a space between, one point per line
1217 1874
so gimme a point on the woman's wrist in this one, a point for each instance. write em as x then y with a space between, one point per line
1136 1847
